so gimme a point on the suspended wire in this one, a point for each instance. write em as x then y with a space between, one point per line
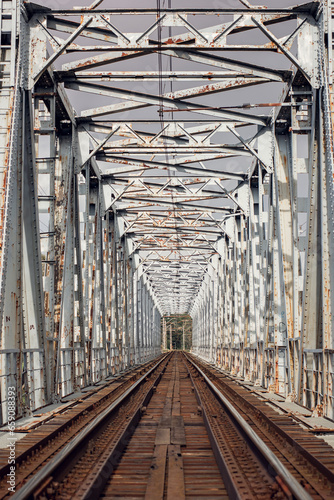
161 116
160 62
170 57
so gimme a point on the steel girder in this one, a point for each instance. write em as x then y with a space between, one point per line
164 193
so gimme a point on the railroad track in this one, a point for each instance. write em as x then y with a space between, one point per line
309 460
183 431
46 439
169 455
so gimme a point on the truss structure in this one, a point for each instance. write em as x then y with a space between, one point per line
158 162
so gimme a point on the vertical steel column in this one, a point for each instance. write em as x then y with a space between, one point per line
130 311
65 275
81 367
139 319
164 334
11 150
32 288
135 314
283 267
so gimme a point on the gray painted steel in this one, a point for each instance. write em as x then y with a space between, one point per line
161 164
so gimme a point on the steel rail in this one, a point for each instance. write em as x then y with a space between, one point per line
321 467
296 489
226 475
27 491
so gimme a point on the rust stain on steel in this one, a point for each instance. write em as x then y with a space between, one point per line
5 172
276 374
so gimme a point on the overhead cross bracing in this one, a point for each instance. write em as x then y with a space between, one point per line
158 161
166 168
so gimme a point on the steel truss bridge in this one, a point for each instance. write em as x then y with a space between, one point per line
157 161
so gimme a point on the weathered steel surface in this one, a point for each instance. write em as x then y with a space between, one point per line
182 183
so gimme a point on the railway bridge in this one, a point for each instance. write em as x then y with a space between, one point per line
160 159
